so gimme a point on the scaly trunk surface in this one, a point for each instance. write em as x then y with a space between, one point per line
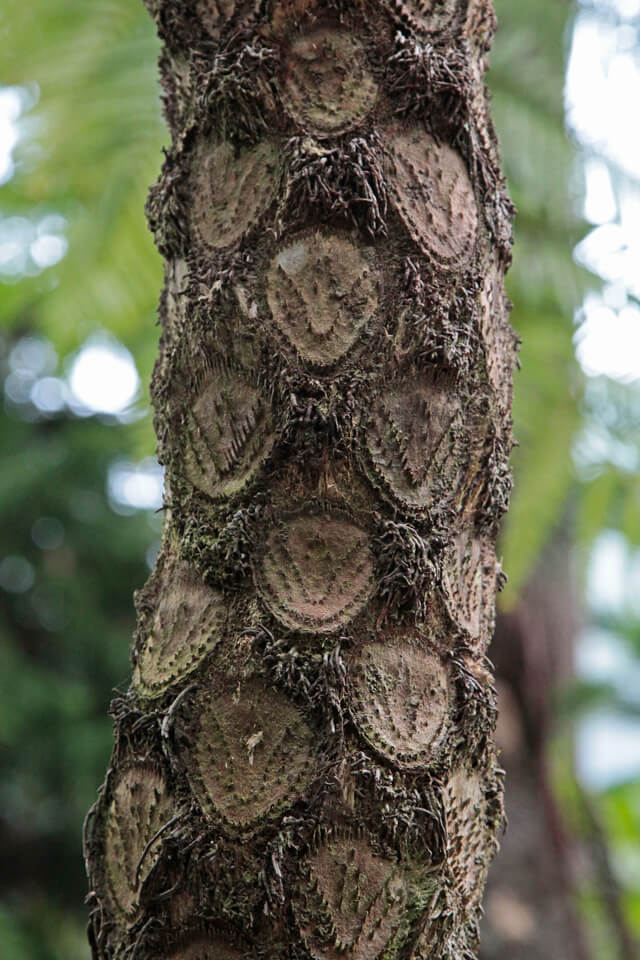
304 764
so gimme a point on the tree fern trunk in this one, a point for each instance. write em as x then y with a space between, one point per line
304 765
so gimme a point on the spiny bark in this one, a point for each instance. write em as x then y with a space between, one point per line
304 764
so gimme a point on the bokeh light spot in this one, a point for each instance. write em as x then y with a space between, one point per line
16 574
103 377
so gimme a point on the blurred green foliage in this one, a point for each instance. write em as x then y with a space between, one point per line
90 148
99 134
93 147
65 625
545 285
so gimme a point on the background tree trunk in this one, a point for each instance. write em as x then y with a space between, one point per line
304 765
551 849
530 902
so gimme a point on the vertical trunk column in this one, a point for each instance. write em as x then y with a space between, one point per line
304 764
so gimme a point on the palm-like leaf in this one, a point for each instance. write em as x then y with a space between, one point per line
99 134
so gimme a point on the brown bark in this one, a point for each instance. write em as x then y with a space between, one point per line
304 765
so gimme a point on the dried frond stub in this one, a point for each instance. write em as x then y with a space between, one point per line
467 810
187 624
322 289
328 87
469 577
232 189
248 752
499 339
228 428
432 193
401 699
140 806
353 900
417 440
316 571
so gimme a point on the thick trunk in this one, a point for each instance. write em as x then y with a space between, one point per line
304 765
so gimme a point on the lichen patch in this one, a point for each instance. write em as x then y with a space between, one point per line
228 430
232 189
433 195
415 437
327 84
469 574
140 806
356 899
401 700
321 290
248 752
188 623
316 571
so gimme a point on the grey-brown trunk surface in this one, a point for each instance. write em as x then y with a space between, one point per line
304 764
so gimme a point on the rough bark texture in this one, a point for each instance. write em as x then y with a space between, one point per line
304 765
